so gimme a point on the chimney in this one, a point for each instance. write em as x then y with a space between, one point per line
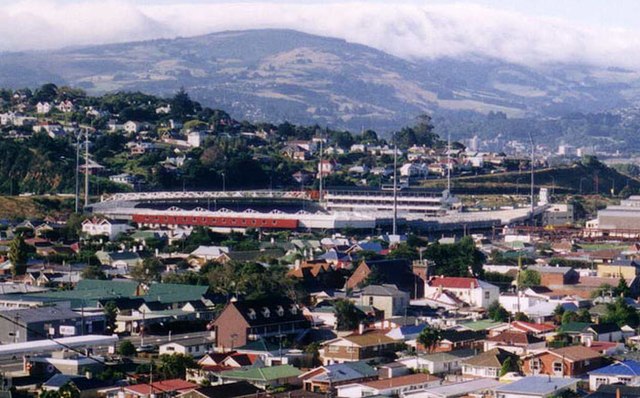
361 328
618 392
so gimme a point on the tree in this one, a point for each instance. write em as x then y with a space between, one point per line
459 259
18 250
174 366
622 290
558 312
497 313
569 317
126 349
521 317
110 312
93 272
621 314
509 365
429 338
348 317
529 278
148 271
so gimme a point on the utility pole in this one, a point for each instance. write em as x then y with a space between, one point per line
533 154
77 172
395 185
86 169
320 170
449 163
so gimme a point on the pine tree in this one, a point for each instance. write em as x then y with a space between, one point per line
18 255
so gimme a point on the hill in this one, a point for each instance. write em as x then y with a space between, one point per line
589 177
277 75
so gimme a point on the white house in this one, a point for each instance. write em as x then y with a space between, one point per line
195 138
625 372
472 291
131 126
387 298
210 253
414 170
43 107
101 226
391 387
196 347
66 106
124 178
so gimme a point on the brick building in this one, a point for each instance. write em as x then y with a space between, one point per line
563 362
244 321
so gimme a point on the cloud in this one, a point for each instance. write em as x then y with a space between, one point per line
406 30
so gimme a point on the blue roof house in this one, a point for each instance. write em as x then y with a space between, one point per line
624 372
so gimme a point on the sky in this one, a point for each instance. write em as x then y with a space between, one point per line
528 32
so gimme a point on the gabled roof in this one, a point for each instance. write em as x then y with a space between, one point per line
628 367
537 385
515 338
367 339
230 390
173 385
279 311
381 290
533 327
340 372
262 374
491 359
449 282
575 353
456 336
601 328
400 381
120 288
175 293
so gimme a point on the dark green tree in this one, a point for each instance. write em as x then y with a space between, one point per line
529 278
497 313
174 366
18 255
148 271
93 272
429 338
348 317
126 349
110 313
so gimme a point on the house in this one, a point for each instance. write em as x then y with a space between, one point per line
602 332
615 391
244 321
469 388
624 372
124 178
132 127
460 339
263 377
537 387
158 389
439 362
86 387
620 267
195 347
537 329
30 324
568 361
66 106
386 298
356 347
555 276
209 253
515 342
391 387
323 378
327 167
98 226
474 292
488 364
119 259
43 107
396 271
195 139
240 389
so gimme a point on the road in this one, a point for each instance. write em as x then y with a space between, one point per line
158 340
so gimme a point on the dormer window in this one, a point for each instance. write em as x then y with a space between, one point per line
265 312
252 313
280 311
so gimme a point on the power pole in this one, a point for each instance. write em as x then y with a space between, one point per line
395 185
77 172
449 163
320 170
86 169
533 154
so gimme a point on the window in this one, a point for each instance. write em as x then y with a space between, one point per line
487 295
535 364
624 380
334 348
370 300
557 367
